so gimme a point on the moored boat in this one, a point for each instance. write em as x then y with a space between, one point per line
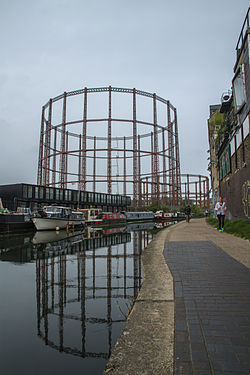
112 218
19 221
161 215
57 217
139 216
92 215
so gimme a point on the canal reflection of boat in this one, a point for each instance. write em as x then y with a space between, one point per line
164 224
51 244
16 248
54 236
57 217
107 231
139 216
140 226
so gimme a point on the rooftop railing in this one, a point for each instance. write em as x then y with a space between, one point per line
245 26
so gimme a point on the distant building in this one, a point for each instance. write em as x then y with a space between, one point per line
36 196
229 140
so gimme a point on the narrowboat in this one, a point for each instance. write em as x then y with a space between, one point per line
92 215
161 215
139 216
112 218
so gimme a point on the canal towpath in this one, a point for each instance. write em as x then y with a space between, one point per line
192 315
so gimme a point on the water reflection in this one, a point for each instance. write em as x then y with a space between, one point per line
85 285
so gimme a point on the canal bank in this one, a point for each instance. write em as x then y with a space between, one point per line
147 344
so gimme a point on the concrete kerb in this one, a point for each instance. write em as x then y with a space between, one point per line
146 343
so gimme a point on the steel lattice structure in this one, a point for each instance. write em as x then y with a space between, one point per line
129 155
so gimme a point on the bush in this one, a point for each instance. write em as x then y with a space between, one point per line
212 221
240 228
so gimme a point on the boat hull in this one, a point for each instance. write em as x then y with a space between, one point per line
45 223
15 223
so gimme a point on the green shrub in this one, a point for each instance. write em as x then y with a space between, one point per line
240 228
212 221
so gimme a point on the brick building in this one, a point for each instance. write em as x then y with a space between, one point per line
229 139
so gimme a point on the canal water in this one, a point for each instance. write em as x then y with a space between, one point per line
65 297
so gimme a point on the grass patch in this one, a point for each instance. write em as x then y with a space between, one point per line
239 228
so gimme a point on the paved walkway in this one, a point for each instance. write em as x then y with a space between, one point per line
212 309
203 326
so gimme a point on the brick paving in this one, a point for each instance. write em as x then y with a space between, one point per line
212 309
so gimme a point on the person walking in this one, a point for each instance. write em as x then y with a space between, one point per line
220 209
188 213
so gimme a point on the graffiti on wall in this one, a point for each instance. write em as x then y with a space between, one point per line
246 198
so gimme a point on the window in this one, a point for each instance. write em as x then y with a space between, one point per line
25 193
61 194
57 194
51 194
239 89
66 195
246 127
30 191
238 138
70 195
47 193
232 147
84 197
75 195
36 192
41 192
224 163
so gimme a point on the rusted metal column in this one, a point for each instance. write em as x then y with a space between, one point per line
144 193
124 168
152 168
204 193
79 162
84 141
47 146
135 175
63 136
139 172
156 156
66 160
185 192
177 161
94 166
207 191
164 177
40 172
188 188
200 189
109 167
170 155
147 200
196 194
54 159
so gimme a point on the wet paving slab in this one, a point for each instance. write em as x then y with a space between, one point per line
212 309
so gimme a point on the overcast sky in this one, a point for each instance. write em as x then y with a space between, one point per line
182 50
